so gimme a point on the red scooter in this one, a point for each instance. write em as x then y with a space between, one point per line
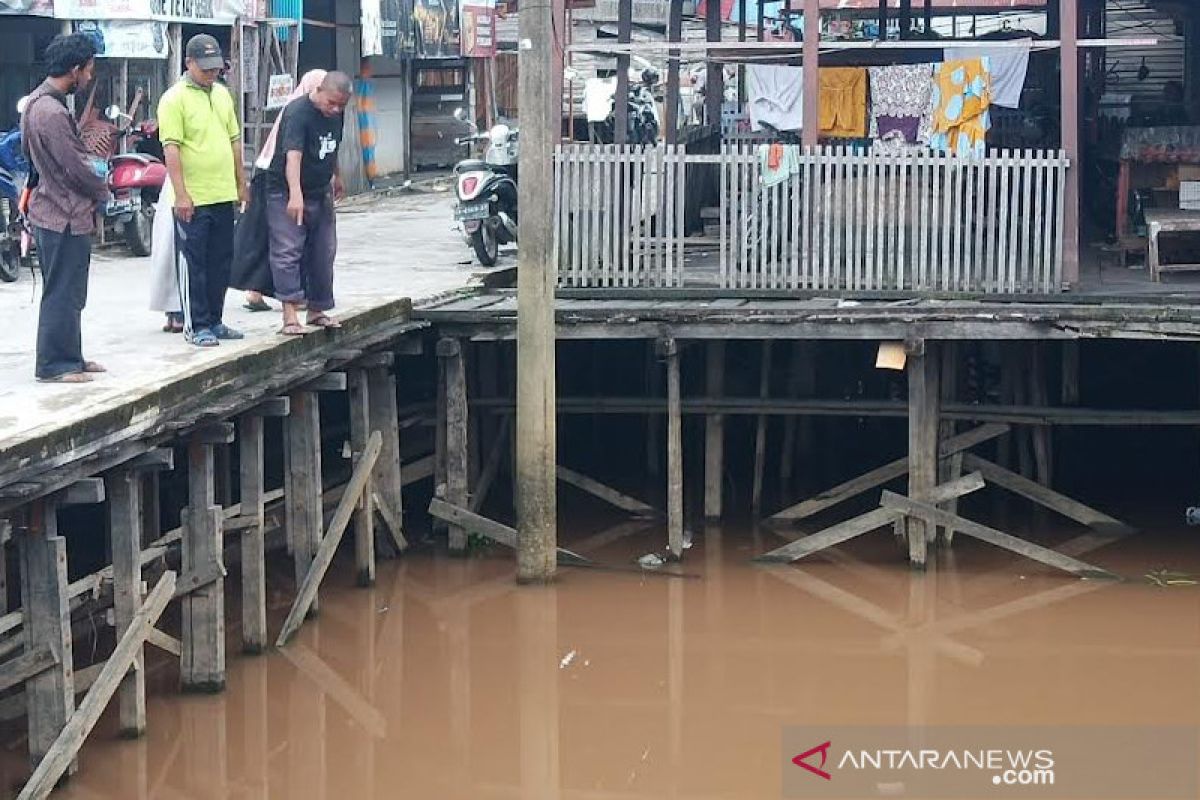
136 179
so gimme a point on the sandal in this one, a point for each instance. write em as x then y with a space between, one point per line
92 366
324 321
203 338
68 377
257 305
292 329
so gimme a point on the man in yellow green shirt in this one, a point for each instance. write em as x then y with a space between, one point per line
201 139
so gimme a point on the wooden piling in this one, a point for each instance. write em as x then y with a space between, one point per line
384 417
653 421
760 434
49 695
450 354
923 407
202 660
670 350
1039 395
364 516
1070 373
714 433
801 384
951 468
124 489
251 465
304 471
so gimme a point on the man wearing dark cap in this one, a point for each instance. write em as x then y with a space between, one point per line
201 135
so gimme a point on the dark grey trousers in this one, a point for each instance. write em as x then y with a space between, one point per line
64 259
302 255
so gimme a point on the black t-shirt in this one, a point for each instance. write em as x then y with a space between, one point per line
317 137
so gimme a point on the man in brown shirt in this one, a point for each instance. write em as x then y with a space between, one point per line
61 209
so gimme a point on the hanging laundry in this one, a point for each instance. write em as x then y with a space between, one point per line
598 96
776 96
901 101
778 162
1007 65
843 102
961 102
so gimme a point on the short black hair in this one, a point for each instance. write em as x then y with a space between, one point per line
66 52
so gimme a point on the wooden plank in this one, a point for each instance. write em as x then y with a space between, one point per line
124 489
1042 495
163 641
50 696
364 517
450 354
86 491
389 476
760 434
492 467
303 428
864 523
605 493
932 515
29 664
202 664
881 475
66 745
337 527
497 532
674 452
252 544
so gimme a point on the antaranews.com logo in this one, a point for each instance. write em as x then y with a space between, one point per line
1044 763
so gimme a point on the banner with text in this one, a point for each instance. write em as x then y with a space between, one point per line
208 12
126 38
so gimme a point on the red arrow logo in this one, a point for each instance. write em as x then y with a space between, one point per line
823 749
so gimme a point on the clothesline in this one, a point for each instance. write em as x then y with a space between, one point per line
792 49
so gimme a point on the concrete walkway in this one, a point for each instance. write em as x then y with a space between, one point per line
390 248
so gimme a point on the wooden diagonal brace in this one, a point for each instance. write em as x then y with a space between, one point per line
606 493
333 536
865 523
198 579
935 516
497 532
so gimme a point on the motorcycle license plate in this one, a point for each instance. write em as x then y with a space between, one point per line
118 207
472 211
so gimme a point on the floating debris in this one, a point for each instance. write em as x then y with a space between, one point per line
567 659
1166 577
651 561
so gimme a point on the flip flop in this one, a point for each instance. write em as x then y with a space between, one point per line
260 305
323 321
294 329
68 377
92 366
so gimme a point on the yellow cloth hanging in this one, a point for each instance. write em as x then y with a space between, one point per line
843 102
962 97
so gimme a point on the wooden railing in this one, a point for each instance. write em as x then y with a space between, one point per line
846 220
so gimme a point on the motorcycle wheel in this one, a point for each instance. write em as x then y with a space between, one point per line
138 232
10 250
487 246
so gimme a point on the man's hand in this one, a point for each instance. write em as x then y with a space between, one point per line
339 188
184 207
295 208
243 195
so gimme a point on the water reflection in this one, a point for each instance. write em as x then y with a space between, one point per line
447 681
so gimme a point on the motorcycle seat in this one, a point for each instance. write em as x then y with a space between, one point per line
472 165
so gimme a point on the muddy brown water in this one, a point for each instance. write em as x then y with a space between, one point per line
446 680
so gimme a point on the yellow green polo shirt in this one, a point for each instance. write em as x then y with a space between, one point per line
203 123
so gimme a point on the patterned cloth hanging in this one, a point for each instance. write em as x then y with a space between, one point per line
901 101
961 107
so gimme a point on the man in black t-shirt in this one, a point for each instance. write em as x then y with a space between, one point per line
302 183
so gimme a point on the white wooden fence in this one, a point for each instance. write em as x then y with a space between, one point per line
847 220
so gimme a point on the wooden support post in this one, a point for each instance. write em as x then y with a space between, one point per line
714 433
714 84
202 663
1070 373
949 468
537 276
760 434
1069 108
254 577
60 756
388 478
450 353
624 34
670 349
812 85
439 439
307 590
50 695
364 517
124 489
653 421
1039 395
923 401
801 384
303 428
674 34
